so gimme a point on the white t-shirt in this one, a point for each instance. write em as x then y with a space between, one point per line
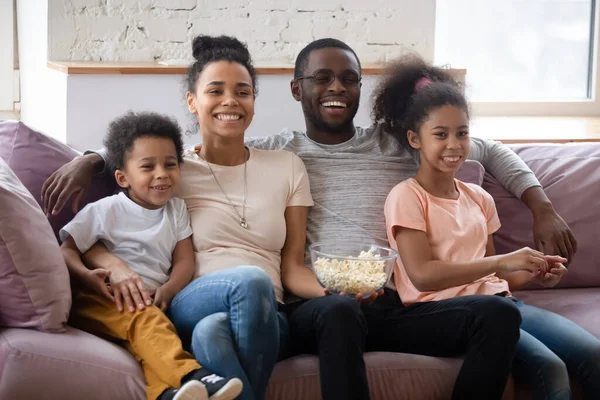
275 180
144 239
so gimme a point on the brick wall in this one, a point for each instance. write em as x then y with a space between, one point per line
275 30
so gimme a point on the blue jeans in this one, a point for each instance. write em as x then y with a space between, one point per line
230 319
551 347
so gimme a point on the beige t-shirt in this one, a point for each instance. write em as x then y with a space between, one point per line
276 179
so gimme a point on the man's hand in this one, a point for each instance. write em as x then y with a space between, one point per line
555 273
95 280
552 235
73 178
128 288
163 296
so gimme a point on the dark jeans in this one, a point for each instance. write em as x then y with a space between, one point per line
483 329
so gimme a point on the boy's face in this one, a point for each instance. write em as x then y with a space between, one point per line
151 172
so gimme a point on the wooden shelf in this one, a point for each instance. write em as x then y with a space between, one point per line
148 68
537 129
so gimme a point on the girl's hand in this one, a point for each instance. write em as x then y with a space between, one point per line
95 280
553 276
525 259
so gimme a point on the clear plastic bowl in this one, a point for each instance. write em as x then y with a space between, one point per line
340 267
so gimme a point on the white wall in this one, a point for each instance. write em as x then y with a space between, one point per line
43 91
77 108
94 100
275 30
6 55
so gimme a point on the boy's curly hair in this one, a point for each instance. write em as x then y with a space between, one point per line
123 131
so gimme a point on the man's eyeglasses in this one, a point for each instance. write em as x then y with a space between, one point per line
326 77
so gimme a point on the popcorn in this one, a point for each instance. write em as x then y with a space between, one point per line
364 274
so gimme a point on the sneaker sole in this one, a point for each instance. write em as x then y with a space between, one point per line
192 390
230 391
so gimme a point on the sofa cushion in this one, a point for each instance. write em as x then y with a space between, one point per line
68 366
578 305
471 172
34 280
392 376
34 156
570 174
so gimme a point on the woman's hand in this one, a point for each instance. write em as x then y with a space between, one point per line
360 297
128 289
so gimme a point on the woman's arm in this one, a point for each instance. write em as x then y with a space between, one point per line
428 274
295 276
125 283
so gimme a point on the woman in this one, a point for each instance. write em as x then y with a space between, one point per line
248 210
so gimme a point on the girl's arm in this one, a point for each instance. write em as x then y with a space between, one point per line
547 277
516 280
428 274
295 276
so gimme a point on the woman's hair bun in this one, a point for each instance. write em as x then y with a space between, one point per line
204 45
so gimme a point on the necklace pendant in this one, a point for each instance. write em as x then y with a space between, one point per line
243 223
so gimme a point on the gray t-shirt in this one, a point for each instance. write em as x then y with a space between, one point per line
350 181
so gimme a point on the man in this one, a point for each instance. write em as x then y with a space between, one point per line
352 169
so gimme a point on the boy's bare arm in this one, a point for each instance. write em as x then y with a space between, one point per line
93 280
183 265
72 257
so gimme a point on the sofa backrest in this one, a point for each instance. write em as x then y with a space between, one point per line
33 157
570 175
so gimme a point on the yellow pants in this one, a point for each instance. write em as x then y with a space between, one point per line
148 335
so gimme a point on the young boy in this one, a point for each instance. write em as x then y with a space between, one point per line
150 231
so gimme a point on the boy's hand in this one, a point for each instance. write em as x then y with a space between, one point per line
96 281
128 288
163 296
555 273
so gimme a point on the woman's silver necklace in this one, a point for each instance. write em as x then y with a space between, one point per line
242 217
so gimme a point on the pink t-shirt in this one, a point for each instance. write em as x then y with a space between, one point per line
457 231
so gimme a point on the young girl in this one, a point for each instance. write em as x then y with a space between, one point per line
442 229
150 231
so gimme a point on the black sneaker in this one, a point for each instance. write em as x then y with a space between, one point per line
191 390
218 388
